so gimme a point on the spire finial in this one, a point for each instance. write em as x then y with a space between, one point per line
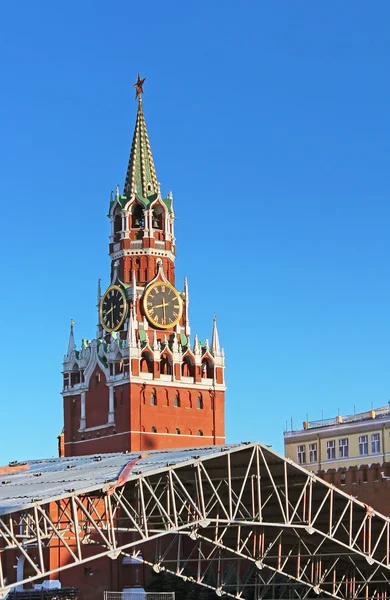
139 87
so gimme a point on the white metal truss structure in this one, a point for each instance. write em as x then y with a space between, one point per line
241 520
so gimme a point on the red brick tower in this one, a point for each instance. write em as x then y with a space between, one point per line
141 384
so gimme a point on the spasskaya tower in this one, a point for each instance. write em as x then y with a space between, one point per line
142 384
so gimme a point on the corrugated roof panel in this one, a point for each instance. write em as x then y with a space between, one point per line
47 479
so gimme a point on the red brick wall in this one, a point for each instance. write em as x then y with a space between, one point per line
365 483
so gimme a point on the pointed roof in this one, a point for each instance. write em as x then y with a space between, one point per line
215 345
71 343
141 176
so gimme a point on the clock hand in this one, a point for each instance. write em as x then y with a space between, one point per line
164 313
111 309
164 304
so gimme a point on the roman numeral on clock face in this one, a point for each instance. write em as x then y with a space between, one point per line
113 308
162 305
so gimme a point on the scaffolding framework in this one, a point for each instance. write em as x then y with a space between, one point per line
242 520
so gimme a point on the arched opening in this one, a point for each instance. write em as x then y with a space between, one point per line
207 368
154 430
116 367
200 432
153 398
177 431
199 402
137 217
165 365
117 227
187 367
158 217
75 377
176 400
146 363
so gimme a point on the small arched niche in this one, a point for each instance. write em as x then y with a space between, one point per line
188 367
165 365
146 365
207 368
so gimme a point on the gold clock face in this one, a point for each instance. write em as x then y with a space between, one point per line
113 308
162 305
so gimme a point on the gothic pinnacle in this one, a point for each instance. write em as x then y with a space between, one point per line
71 343
215 345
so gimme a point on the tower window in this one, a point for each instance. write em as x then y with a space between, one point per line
157 218
117 228
199 402
177 431
75 375
176 401
154 430
153 398
137 217
200 432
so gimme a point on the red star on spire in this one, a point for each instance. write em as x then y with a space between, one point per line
139 86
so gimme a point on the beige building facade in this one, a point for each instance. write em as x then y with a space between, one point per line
353 440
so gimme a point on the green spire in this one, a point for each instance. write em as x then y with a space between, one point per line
141 175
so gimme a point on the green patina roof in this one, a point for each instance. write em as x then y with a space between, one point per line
123 200
141 178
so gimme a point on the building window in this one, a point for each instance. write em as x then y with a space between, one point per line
200 432
177 431
343 448
375 443
176 401
363 444
313 452
199 402
153 398
301 455
331 450
154 430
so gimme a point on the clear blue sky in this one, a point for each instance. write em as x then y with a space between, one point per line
270 123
